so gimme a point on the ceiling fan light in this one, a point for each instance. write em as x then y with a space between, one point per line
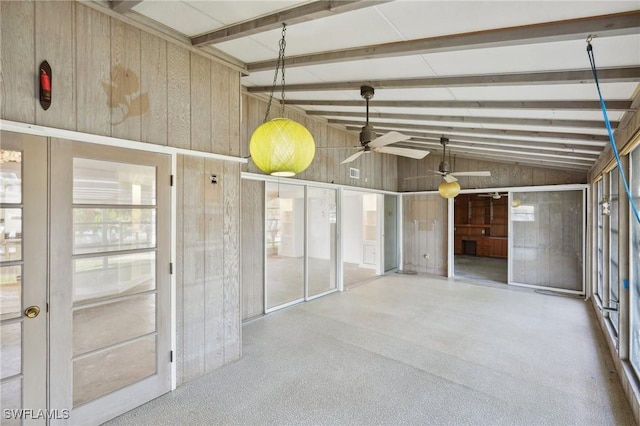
449 189
282 147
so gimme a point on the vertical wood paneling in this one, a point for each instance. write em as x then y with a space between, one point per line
200 103
128 102
252 233
153 82
179 270
193 228
18 72
93 66
178 96
57 18
234 112
220 121
214 265
231 235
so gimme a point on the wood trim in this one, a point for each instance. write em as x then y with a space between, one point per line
122 6
605 75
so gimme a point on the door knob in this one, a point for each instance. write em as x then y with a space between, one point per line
32 311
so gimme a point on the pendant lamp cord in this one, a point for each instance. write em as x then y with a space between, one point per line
279 65
612 140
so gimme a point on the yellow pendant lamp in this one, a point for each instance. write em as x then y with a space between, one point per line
449 189
281 147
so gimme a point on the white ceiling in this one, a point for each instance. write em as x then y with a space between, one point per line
545 132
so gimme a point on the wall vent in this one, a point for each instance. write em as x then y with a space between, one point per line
354 173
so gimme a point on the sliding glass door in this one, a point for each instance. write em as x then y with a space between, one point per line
547 239
322 241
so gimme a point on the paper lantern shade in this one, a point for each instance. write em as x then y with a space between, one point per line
282 147
449 189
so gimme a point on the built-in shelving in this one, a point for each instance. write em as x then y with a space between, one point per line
480 226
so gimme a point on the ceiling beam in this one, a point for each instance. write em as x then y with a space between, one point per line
122 6
469 119
434 140
295 15
573 29
578 137
605 75
619 104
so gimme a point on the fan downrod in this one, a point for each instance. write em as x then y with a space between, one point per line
368 133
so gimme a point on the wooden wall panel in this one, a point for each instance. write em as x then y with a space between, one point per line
252 234
502 174
234 112
128 102
192 308
153 83
18 69
424 225
220 121
55 44
231 236
178 96
214 265
93 71
200 103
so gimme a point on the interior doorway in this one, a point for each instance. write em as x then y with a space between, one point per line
361 219
481 237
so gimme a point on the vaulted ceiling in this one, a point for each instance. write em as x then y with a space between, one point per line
508 81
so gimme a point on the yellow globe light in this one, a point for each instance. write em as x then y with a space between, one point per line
449 189
282 147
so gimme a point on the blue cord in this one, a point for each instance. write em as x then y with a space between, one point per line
612 140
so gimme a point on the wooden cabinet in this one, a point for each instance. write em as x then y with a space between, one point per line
480 226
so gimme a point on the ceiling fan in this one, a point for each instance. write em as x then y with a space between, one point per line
444 169
495 195
369 142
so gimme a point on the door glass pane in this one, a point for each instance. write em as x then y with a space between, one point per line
613 247
322 240
10 176
110 370
634 261
285 243
10 234
98 230
106 276
424 227
600 240
105 182
10 291
110 323
11 350
548 239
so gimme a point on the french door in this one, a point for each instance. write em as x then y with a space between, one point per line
100 216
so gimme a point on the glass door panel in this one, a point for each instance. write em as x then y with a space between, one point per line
285 244
322 240
548 228
600 240
110 278
390 232
634 261
23 276
613 247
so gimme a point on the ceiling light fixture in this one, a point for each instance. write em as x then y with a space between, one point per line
281 147
449 189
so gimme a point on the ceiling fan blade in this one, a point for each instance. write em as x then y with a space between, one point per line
482 173
435 172
353 157
404 152
387 139
449 178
